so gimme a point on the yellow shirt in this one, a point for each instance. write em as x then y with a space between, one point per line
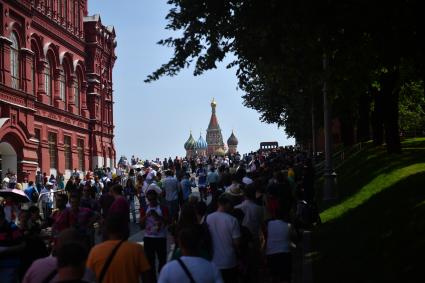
127 265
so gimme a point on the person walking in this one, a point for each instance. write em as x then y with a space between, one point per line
129 194
32 192
186 185
190 267
46 196
212 179
155 219
201 173
277 247
39 181
171 188
225 235
117 259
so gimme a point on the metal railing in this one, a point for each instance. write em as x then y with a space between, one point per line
339 158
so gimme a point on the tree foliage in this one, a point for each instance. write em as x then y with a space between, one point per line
279 46
412 108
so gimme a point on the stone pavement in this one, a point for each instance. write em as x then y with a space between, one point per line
303 264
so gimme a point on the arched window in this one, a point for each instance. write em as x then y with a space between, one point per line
77 93
80 151
53 150
62 86
14 61
33 60
35 69
48 81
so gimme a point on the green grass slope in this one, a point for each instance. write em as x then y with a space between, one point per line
376 233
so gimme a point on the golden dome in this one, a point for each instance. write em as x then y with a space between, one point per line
213 103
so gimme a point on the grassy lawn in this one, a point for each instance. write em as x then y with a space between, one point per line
377 230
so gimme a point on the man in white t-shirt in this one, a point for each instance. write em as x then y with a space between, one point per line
190 265
225 234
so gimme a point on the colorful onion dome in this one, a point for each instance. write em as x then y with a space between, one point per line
190 143
201 143
232 140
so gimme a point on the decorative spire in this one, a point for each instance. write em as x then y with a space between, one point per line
213 120
213 105
214 136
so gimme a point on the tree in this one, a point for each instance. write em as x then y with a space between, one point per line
412 108
279 44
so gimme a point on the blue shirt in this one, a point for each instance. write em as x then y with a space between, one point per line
186 187
29 191
212 177
202 177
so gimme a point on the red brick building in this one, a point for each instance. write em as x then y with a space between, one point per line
56 98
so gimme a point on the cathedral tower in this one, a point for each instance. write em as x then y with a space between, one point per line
214 136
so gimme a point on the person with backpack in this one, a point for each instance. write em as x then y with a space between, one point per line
155 220
117 259
189 218
190 267
129 194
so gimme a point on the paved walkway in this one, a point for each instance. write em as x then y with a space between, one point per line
302 265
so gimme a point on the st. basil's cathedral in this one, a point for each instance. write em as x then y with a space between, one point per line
213 145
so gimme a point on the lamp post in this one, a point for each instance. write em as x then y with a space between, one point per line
313 132
329 174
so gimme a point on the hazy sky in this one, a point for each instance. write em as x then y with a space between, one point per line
154 120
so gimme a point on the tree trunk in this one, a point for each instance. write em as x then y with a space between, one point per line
390 91
377 118
347 129
363 124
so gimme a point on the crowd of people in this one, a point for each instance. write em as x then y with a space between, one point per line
241 225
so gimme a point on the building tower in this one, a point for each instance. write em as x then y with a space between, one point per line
214 136
56 88
189 146
232 143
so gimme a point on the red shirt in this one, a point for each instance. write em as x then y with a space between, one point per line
120 206
61 221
